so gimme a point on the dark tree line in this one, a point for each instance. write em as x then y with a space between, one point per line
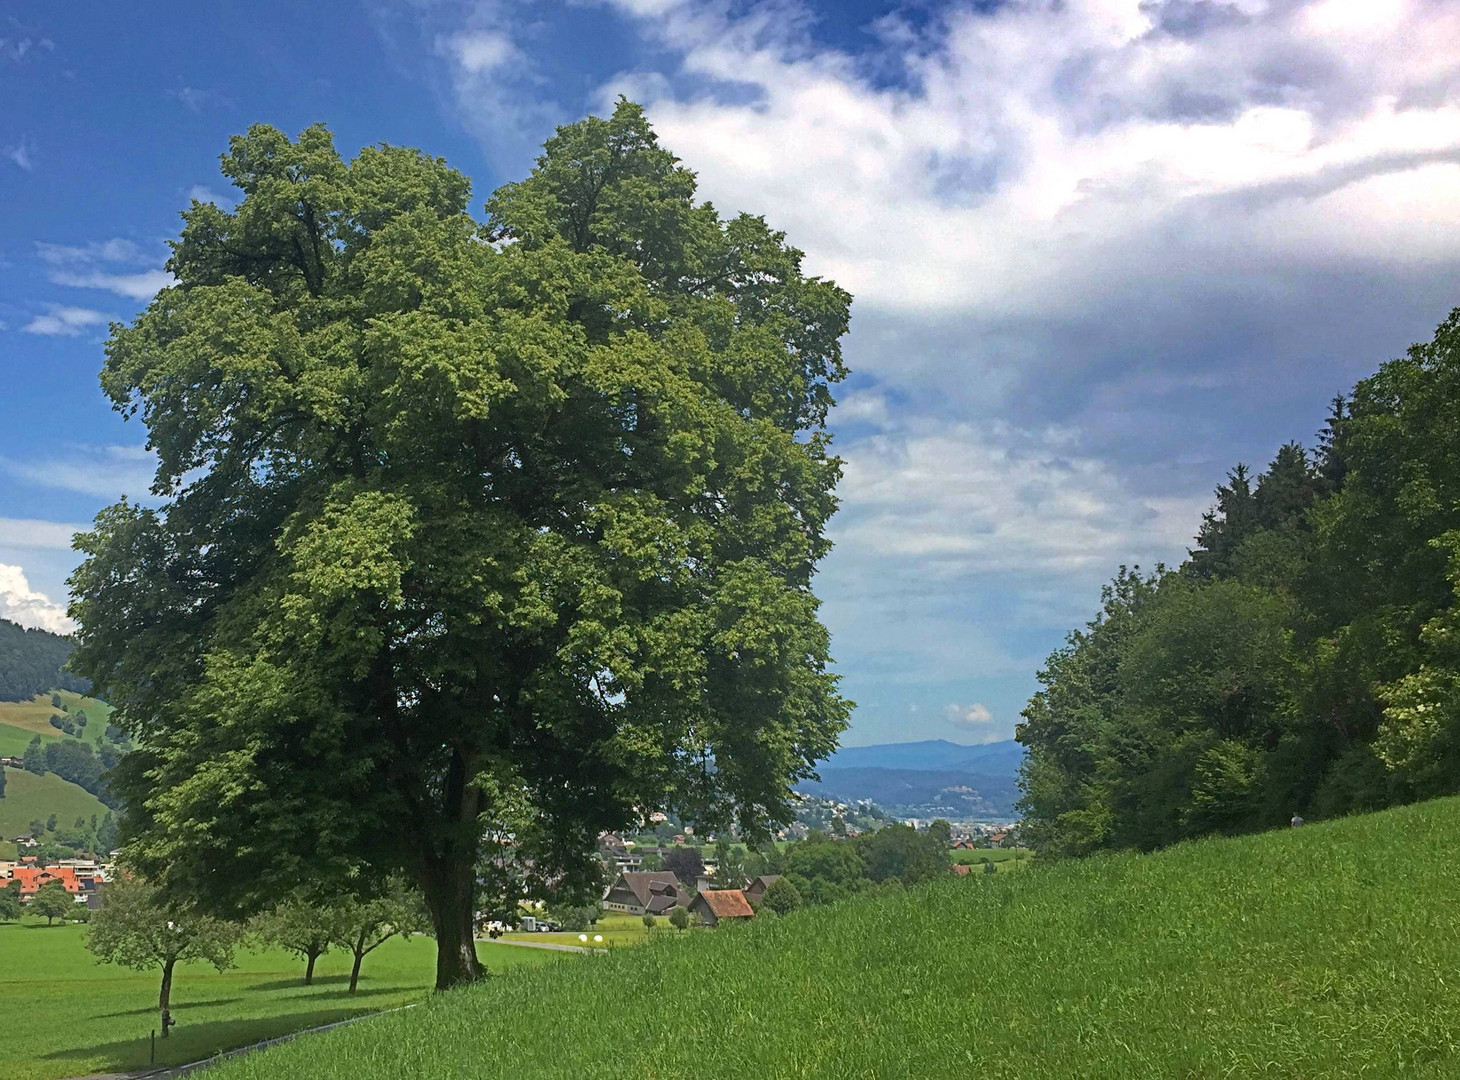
31 662
75 761
1305 658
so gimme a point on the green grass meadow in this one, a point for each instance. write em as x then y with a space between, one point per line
1003 858
28 797
616 930
1330 951
66 1015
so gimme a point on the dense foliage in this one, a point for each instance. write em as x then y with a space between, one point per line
33 661
1305 659
463 524
825 870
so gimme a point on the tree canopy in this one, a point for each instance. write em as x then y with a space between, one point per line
1303 660
461 520
33 661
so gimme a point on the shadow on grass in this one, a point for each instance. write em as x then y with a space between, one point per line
194 1042
176 1007
298 983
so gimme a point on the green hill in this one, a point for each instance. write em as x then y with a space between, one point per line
1327 951
28 797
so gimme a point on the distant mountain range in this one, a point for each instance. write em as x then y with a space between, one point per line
933 778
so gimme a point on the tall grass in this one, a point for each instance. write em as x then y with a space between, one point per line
1330 951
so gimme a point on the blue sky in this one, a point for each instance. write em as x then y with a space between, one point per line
1101 250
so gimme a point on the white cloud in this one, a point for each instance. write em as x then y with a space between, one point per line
115 250
204 194
976 715
64 321
113 265
1040 159
139 286
32 533
107 472
19 155
992 499
24 605
481 51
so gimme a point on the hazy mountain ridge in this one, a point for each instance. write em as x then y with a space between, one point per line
926 777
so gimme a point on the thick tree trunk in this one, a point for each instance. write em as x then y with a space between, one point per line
449 886
164 998
309 969
355 971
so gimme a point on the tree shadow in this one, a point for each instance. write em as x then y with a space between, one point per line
194 1042
298 983
176 1007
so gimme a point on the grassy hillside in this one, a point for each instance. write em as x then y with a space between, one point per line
1328 951
34 716
28 797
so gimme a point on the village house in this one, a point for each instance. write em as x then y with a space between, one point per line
33 878
654 892
714 906
755 891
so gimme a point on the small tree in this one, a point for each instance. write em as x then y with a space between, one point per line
53 901
51 823
301 928
941 831
782 896
575 916
34 759
9 905
2 781
57 703
679 918
136 928
988 866
364 926
649 921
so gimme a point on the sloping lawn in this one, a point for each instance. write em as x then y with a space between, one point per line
1324 952
66 1015
28 797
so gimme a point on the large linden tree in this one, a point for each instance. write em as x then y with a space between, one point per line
474 539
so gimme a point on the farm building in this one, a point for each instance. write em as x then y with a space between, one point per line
714 906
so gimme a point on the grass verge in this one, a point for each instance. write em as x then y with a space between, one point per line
1328 951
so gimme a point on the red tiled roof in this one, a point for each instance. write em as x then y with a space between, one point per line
727 903
31 878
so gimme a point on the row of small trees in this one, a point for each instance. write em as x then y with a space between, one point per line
137 927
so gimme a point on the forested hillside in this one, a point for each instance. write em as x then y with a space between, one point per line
31 661
1306 657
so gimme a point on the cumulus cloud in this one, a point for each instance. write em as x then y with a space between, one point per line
498 86
481 51
24 605
1100 249
62 321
